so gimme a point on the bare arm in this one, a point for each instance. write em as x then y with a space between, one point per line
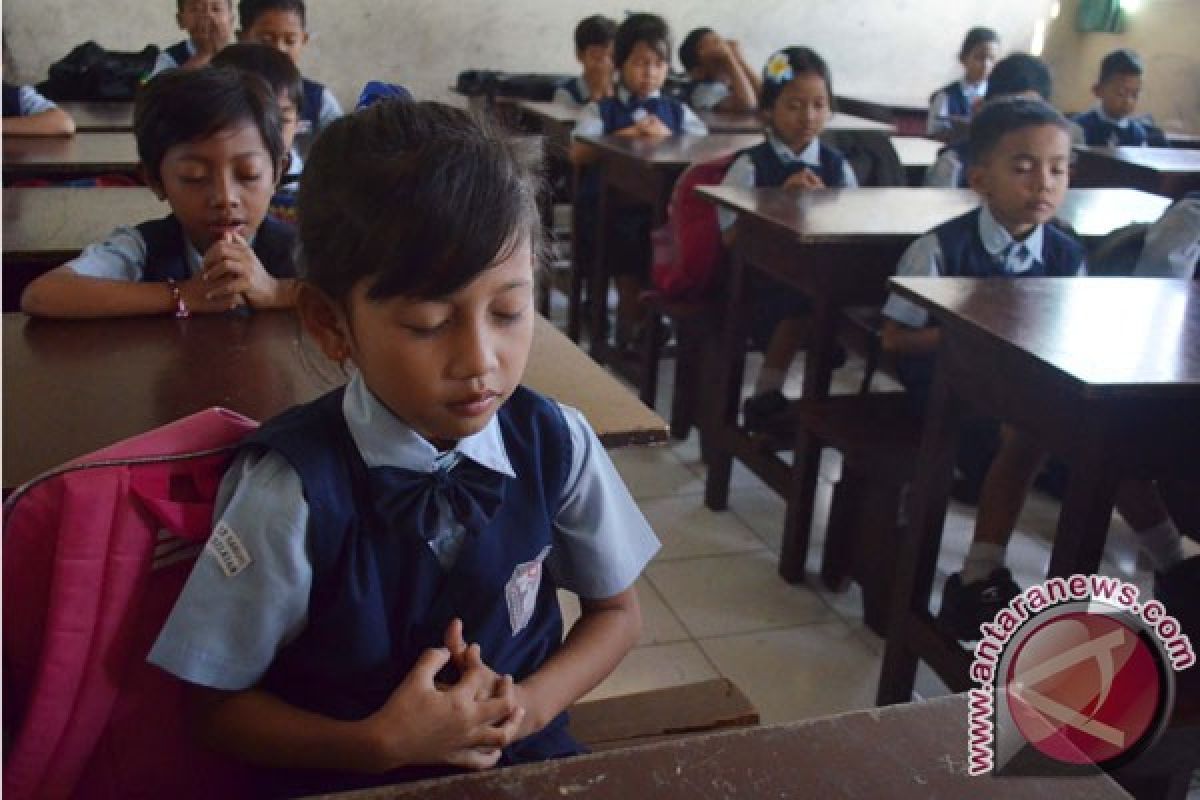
62 292
606 631
903 340
743 82
51 122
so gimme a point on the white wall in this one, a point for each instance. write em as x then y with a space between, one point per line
889 48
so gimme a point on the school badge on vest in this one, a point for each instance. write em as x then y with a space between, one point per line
521 591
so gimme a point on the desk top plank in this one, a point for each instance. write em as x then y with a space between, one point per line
1159 159
752 122
91 153
673 151
1112 336
916 151
71 387
100 117
915 750
53 225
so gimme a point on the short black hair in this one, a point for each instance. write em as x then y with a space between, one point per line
417 198
976 37
1120 62
183 105
800 61
179 4
1020 72
251 10
1007 114
649 28
689 55
271 65
594 30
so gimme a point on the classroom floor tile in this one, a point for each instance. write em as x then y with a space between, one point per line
656 667
655 472
688 529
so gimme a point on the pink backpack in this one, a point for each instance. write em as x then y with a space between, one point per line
95 554
688 249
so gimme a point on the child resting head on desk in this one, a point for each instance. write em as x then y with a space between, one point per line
720 78
797 101
404 536
210 144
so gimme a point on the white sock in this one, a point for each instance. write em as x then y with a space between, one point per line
982 558
1162 544
770 379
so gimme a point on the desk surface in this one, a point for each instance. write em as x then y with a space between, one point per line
554 112
916 151
916 750
83 152
1114 336
894 102
71 387
53 225
673 151
1160 159
752 122
112 117
881 213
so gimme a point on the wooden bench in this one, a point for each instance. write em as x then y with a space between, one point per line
661 714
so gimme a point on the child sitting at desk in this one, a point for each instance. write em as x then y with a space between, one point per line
797 100
209 143
1111 123
951 106
284 79
332 646
209 25
28 113
721 80
594 51
642 51
282 24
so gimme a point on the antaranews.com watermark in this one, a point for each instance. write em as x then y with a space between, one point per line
1079 667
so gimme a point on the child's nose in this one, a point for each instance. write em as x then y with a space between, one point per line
474 355
223 191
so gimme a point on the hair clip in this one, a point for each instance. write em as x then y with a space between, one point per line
779 68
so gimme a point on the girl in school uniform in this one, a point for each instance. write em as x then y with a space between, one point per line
378 599
950 107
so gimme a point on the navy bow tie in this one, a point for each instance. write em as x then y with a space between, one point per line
407 498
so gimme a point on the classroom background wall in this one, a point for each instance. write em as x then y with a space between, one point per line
886 49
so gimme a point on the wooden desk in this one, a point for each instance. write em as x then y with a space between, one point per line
1181 139
915 750
752 122
907 112
917 154
71 387
1104 371
640 171
837 246
1163 170
114 117
61 157
555 120
50 226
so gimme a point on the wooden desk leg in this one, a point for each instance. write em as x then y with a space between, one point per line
579 270
1086 509
922 537
597 298
730 363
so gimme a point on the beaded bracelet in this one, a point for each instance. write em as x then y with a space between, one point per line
181 309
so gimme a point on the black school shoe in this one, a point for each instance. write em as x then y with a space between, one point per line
1178 589
965 607
763 410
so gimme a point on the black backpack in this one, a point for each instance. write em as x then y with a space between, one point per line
524 85
89 72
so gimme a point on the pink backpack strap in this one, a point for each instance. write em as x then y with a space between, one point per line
79 546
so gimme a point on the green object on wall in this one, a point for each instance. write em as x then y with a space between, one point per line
1100 16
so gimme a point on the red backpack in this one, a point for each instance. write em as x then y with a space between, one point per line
95 554
688 249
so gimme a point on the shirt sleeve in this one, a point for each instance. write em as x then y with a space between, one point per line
922 259
163 63
591 123
32 102
693 124
603 541
563 98
938 119
741 174
945 171
849 179
120 257
708 95
330 110
225 630
1173 243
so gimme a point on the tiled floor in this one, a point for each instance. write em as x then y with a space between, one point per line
715 606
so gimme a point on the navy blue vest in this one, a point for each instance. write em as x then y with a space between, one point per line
957 104
381 597
1099 132
180 52
166 253
769 169
12 100
964 256
572 87
310 113
618 115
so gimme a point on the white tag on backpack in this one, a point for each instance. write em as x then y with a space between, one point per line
225 546
521 591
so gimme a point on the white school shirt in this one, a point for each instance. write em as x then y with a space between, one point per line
592 124
1173 243
939 118
224 632
122 257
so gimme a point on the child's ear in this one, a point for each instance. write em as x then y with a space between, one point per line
1096 89
977 178
324 321
179 20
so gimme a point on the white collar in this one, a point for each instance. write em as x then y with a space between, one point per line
624 95
996 239
1123 122
810 155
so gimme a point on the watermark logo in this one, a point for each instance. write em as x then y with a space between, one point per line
1074 674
